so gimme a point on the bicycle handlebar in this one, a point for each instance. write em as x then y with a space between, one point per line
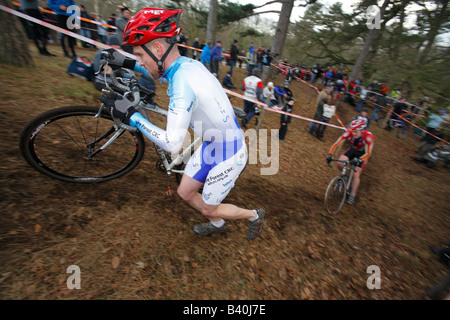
338 160
133 88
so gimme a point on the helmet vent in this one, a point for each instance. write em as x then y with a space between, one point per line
143 28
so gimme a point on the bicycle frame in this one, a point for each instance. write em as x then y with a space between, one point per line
168 165
344 170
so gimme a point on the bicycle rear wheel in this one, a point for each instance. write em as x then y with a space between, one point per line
60 143
335 195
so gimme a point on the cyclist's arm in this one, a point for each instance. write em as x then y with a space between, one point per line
341 139
368 147
182 99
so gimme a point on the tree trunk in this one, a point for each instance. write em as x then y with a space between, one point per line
212 22
282 27
367 44
13 40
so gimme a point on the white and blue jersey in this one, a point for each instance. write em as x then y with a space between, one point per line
198 100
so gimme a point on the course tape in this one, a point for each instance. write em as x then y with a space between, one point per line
265 106
403 119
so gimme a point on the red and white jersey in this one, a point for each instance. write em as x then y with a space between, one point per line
363 143
250 86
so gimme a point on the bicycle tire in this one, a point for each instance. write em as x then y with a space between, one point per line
56 144
335 195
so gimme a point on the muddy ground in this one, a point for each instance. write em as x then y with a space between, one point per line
130 241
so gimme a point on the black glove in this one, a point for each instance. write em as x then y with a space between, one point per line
356 161
117 60
119 107
329 158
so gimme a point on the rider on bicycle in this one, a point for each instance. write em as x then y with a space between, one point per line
361 144
197 99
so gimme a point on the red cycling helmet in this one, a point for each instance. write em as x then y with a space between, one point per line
358 124
151 23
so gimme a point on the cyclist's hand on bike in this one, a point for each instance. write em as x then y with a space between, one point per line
356 161
329 158
117 60
119 107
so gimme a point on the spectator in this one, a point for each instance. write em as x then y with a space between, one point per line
398 109
242 58
84 26
60 7
285 119
267 60
226 82
328 111
196 53
101 29
288 91
314 73
252 87
216 58
39 33
323 96
362 95
121 23
429 141
205 57
234 52
112 22
435 121
328 77
380 102
93 28
183 41
365 116
259 58
280 95
349 96
268 91
252 60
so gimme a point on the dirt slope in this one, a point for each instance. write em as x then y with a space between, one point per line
132 242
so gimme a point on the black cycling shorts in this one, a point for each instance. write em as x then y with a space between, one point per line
352 153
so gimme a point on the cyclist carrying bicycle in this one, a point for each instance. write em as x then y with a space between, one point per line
197 99
361 145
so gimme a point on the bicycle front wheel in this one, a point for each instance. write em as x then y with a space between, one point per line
335 195
64 144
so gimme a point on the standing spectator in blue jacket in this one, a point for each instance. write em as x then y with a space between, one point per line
60 8
216 57
205 57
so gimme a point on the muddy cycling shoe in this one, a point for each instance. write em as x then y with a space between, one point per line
255 227
351 198
207 228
